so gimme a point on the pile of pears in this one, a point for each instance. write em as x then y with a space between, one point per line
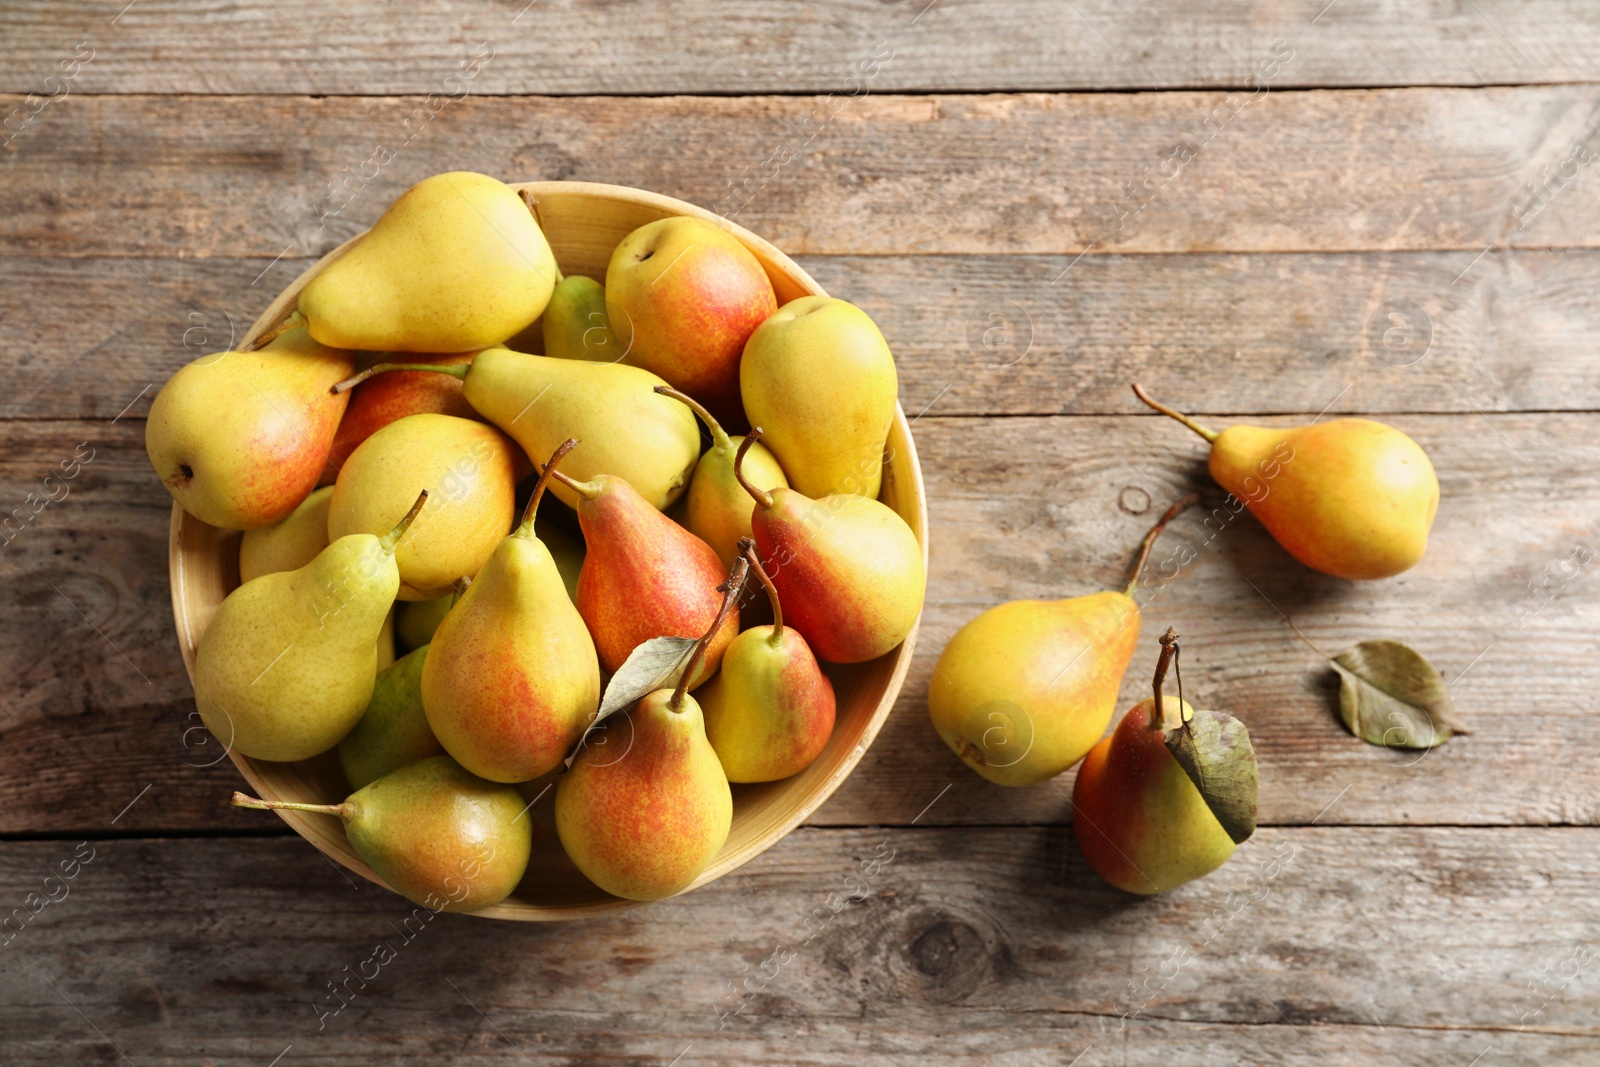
1025 690
387 451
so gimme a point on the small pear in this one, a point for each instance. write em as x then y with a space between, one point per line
290 543
394 730
848 568
457 263
416 620
470 470
1137 813
643 576
388 398
286 667
434 833
717 508
1023 690
818 377
769 711
1352 498
575 324
240 438
683 295
645 824
511 678
648 440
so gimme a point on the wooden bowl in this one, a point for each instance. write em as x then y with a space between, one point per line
583 222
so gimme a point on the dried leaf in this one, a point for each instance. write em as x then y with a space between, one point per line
1389 695
1214 750
656 664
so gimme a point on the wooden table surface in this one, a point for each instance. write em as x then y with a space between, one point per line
1278 210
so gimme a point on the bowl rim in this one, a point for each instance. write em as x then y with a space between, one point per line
726 861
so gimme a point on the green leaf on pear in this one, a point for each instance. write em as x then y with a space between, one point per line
1214 750
1390 695
656 664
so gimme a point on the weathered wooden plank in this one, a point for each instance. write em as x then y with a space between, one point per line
696 46
1503 603
972 946
985 335
1058 174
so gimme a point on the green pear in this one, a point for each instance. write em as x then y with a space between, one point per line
290 543
575 324
286 667
1139 813
393 731
849 569
240 438
1024 689
717 508
644 824
386 642
457 263
467 466
512 678
628 431
769 711
416 620
818 377
1352 498
434 833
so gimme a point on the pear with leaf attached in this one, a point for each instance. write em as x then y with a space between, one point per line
511 678
645 824
286 667
457 263
434 833
769 711
1023 690
1168 795
849 569
1352 498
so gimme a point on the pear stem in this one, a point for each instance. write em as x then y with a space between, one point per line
719 436
293 321
240 800
730 589
1169 653
1209 435
761 496
526 528
747 549
455 370
392 538
1150 540
587 490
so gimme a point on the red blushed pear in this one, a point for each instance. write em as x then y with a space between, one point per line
1168 795
240 438
769 712
511 679
683 296
848 568
386 398
644 576
643 825
1352 498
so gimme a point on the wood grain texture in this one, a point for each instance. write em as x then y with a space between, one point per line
974 335
1019 507
987 946
1313 172
697 46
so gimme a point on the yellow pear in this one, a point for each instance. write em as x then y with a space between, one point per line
290 543
1352 498
469 469
1026 688
818 378
457 263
